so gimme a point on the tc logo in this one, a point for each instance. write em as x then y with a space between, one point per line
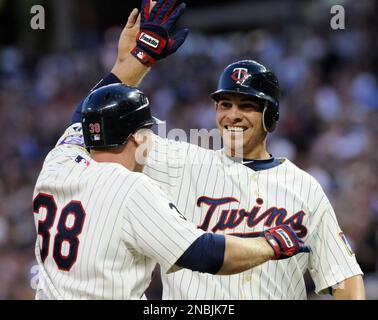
239 75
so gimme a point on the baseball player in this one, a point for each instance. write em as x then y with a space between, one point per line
102 225
242 189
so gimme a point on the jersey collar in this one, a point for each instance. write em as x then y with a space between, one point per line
258 165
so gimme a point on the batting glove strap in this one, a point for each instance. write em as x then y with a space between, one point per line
152 44
285 242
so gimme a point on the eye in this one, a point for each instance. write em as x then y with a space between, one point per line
224 104
250 107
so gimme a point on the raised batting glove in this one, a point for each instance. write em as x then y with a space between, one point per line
155 40
285 242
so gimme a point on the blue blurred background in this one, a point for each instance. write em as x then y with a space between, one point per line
329 116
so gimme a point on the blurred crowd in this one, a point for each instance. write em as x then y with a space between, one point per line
328 124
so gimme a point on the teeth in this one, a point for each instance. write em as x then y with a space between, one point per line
235 129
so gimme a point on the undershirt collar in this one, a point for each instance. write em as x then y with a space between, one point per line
258 165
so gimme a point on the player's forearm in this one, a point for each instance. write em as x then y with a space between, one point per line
130 71
350 289
242 254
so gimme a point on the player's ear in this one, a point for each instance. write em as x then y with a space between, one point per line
135 138
143 143
141 136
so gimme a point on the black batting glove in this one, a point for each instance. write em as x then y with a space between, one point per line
155 40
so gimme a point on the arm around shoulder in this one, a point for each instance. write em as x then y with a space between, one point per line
243 254
277 243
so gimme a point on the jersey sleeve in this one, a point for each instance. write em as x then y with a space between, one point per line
168 161
332 259
165 162
154 227
72 136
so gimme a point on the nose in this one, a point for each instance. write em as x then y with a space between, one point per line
234 114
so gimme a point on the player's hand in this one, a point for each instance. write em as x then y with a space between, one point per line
127 40
156 39
285 242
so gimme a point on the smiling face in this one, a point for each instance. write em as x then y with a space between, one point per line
239 119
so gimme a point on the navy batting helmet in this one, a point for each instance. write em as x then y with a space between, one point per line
111 114
252 79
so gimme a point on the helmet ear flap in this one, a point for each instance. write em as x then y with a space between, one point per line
270 117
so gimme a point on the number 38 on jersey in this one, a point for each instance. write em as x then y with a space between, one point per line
70 220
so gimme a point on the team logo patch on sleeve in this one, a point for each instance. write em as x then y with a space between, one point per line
346 243
73 140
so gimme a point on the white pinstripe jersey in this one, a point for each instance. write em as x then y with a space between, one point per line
226 197
102 228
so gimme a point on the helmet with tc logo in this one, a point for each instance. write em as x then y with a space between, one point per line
249 78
